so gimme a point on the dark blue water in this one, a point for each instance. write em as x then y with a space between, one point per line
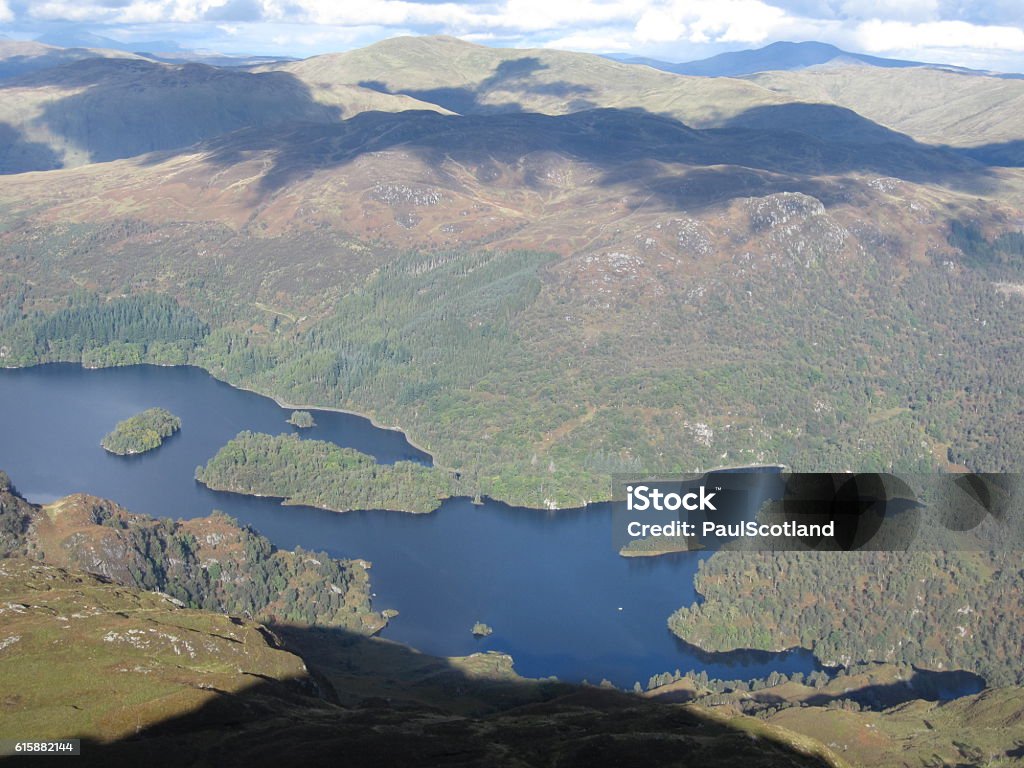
560 599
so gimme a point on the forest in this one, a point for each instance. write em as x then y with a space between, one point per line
144 328
500 366
317 473
142 432
937 610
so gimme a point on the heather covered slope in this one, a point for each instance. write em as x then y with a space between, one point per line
540 299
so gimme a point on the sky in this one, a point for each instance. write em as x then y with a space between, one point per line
986 34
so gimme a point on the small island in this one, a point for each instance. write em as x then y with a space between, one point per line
481 630
142 432
302 419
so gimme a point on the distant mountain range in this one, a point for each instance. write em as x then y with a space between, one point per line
65 107
20 57
781 56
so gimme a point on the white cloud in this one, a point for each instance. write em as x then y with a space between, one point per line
589 41
705 21
893 10
879 36
945 30
134 12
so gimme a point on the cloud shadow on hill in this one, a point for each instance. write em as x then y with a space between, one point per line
118 108
513 74
18 155
631 147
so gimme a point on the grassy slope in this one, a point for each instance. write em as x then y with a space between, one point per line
469 78
142 680
82 656
930 105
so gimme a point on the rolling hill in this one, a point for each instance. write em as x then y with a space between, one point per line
22 57
778 57
933 106
101 109
474 79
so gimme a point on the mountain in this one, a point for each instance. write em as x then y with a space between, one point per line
586 233
104 108
79 38
100 109
932 105
471 79
780 56
588 230
21 57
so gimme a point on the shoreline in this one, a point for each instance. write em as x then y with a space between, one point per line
288 501
326 408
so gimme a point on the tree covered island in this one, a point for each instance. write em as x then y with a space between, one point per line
301 419
317 473
142 432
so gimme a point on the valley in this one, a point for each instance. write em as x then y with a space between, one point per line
543 268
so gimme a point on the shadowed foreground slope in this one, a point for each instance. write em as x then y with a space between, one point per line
145 682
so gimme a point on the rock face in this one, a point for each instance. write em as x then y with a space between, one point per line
210 562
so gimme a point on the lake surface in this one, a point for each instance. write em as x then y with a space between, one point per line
560 599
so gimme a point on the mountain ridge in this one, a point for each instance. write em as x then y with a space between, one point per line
782 56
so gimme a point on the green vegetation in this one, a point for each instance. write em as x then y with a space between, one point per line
931 609
147 328
481 630
1005 251
142 432
129 658
301 419
211 563
471 354
320 474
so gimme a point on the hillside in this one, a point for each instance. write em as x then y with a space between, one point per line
21 57
210 563
140 677
782 56
875 715
101 109
932 106
474 79
762 250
